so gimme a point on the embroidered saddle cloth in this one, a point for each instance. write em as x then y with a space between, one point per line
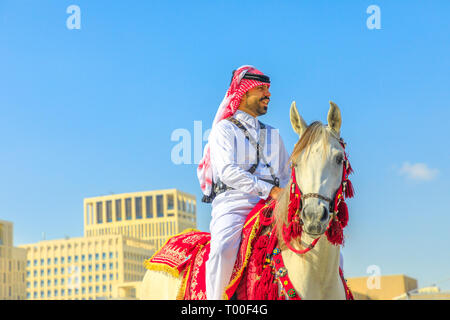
185 254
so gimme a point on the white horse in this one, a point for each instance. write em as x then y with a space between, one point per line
318 159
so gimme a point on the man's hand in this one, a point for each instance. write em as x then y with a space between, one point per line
275 192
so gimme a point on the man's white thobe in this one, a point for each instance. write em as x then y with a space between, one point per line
231 156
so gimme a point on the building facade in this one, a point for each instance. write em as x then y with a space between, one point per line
381 287
83 268
12 265
150 215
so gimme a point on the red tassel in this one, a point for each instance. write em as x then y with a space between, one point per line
334 232
349 169
295 229
349 192
262 287
342 214
259 252
273 291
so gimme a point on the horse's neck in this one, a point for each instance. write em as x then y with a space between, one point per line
315 275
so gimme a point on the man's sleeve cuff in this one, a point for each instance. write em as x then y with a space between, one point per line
264 189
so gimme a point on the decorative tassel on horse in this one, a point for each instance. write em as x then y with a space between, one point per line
294 229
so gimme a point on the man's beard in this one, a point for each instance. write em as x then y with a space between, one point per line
262 110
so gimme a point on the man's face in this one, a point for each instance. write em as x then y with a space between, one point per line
256 100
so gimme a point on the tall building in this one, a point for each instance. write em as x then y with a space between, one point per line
12 265
83 268
120 232
149 215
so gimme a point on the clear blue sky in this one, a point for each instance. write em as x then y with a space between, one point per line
91 111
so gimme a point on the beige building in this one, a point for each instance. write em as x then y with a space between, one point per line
83 268
149 215
120 232
12 265
382 287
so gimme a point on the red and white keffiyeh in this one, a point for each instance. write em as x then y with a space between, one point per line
227 108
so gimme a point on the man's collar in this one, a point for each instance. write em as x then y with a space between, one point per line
244 116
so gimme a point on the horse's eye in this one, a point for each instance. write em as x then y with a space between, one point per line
339 158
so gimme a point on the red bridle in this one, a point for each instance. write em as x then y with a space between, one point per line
338 209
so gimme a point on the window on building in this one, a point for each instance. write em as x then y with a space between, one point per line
159 206
49 261
128 208
56 260
170 202
62 260
149 206
109 211
99 212
97 256
138 207
119 210
69 259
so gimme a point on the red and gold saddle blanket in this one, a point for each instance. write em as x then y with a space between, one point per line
186 253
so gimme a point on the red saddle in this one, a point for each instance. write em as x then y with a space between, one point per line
186 253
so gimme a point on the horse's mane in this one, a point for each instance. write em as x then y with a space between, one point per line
316 131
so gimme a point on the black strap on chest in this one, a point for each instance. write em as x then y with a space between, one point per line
219 187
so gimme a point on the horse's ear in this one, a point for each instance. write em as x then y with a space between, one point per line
334 117
298 124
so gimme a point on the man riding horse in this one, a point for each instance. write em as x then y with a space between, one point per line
244 161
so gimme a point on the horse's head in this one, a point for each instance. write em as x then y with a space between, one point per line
317 159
